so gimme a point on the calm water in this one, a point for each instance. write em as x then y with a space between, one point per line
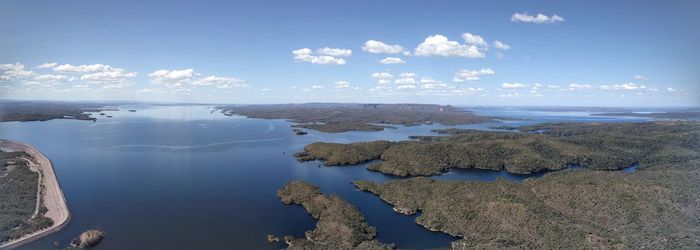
184 177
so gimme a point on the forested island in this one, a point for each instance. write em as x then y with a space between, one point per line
598 146
339 226
655 207
336 117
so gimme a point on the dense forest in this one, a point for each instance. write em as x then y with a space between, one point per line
18 189
340 225
656 207
599 146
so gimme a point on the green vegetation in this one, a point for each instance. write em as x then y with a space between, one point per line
600 146
336 154
338 127
44 111
674 115
340 225
18 189
656 208
334 118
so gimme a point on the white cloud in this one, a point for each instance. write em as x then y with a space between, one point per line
509 95
106 75
439 45
553 86
91 68
53 78
473 39
378 47
500 45
341 84
382 76
306 55
173 78
47 65
641 77
221 82
317 87
513 85
430 83
538 19
392 60
669 89
626 86
467 91
575 86
471 75
12 71
334 52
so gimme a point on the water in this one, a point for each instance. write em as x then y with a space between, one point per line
183 177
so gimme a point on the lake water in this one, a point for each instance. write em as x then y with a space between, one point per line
184 177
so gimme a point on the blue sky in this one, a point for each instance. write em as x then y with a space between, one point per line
602 53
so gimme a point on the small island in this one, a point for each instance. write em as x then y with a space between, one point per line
87 239
299 131
340 225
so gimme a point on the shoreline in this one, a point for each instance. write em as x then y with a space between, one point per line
53 199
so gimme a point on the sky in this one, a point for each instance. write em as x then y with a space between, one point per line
564 53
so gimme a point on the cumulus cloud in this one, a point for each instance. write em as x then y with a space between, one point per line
538 19
341 84
50 77
317 86
471 75
473 39
221 82
334 52
12 71
378 47
513 85
500 45
392 60
172 78
576 86
326 56
106 75
382 78
47 65
626 86
669 89
85 68
430 83
439 45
